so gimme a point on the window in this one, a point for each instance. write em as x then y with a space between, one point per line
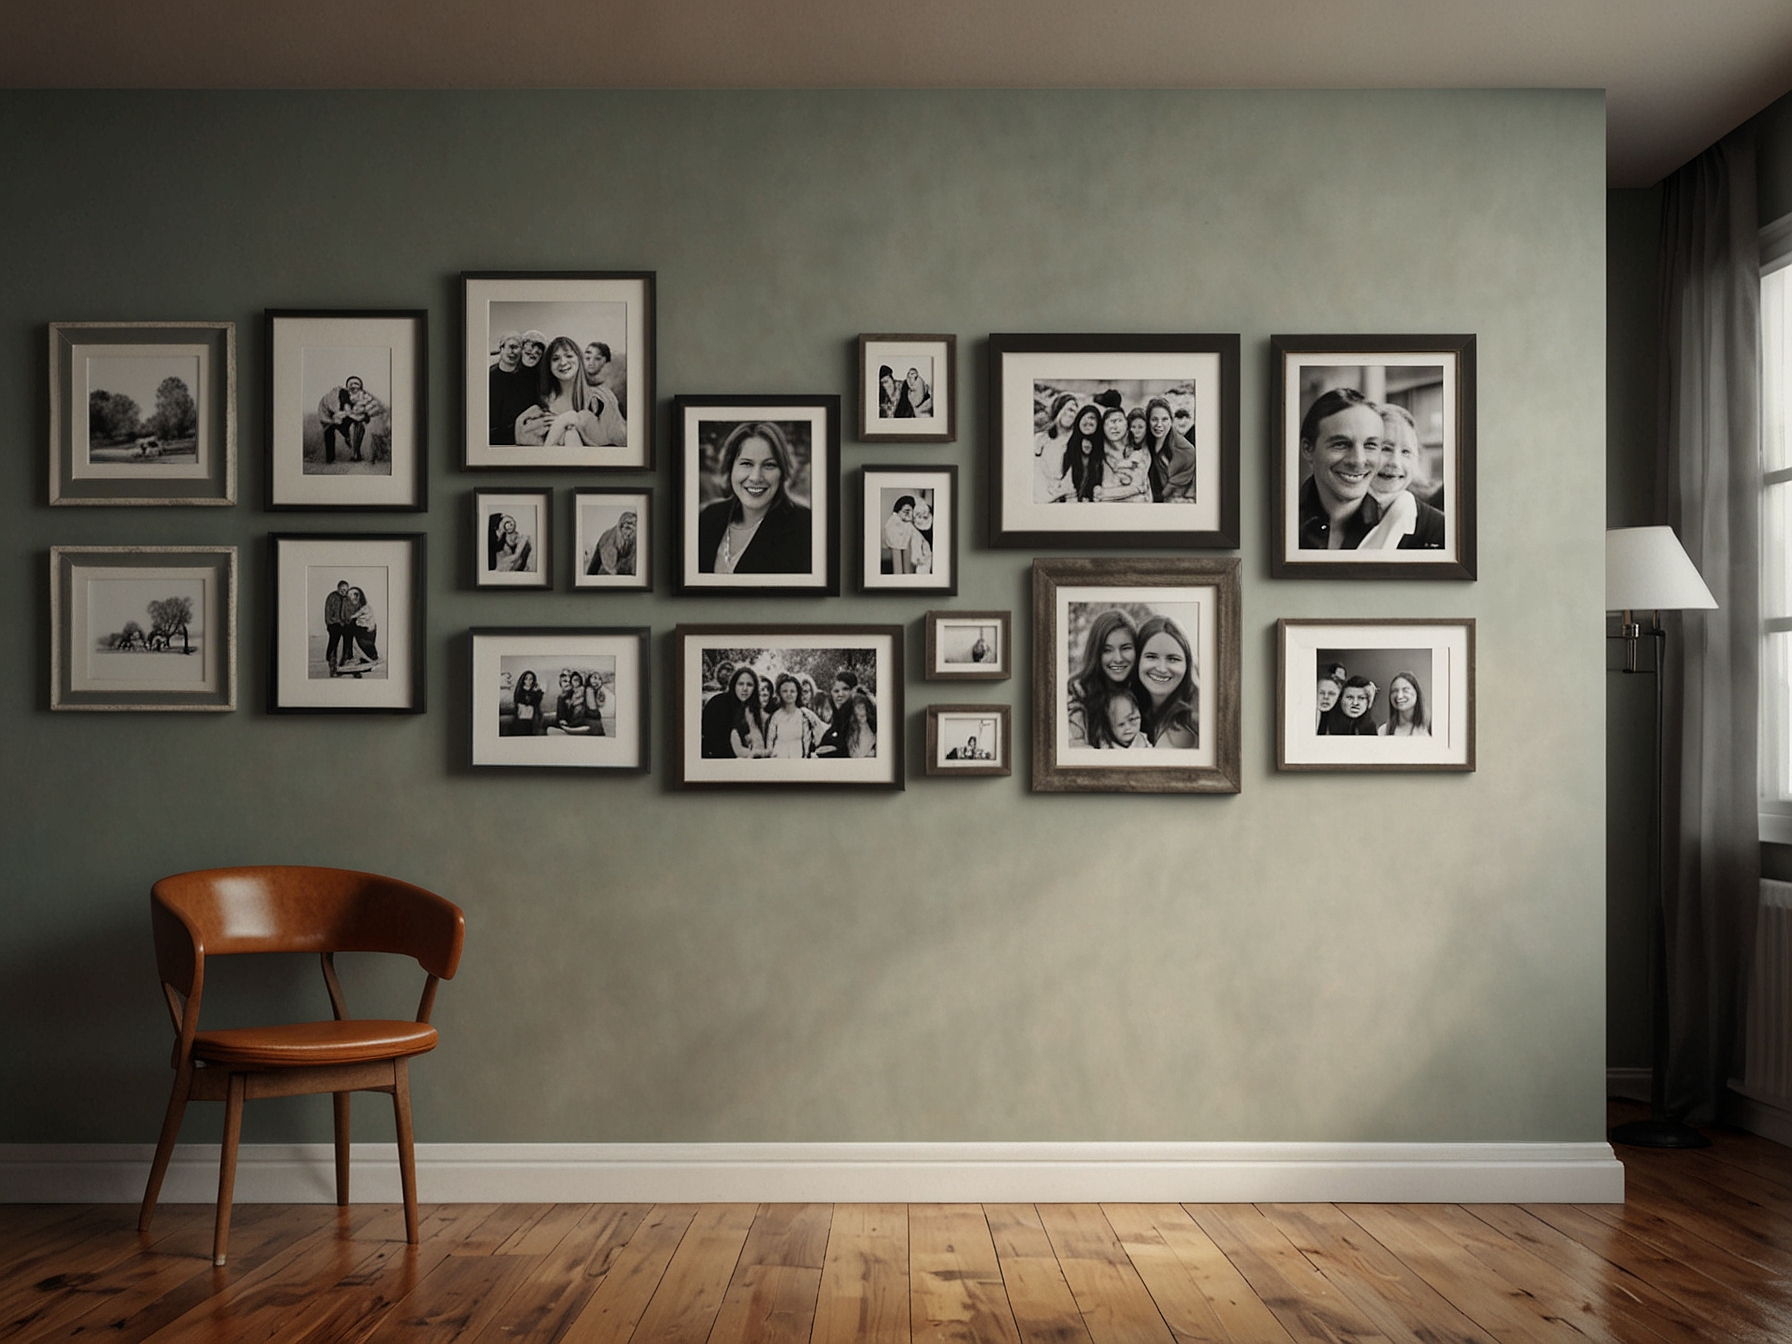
1776 532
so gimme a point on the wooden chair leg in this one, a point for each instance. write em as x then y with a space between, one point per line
177 1108
407 1153
341 1104
233 1128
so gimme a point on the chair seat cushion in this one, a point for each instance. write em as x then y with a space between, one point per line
350 1042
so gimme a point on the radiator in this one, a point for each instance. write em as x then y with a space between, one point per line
1767 1064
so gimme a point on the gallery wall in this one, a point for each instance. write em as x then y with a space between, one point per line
1335 956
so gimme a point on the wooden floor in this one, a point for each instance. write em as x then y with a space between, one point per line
1702 1251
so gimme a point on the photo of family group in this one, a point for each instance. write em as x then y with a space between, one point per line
346 396
142 412
1135 683
1114 441
560 698
1372 693
344 635
561 694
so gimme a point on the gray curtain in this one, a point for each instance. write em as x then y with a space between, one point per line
1708 480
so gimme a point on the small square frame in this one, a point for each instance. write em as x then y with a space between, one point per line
881 418
935 545
942 720
496 741
527 562
138 474
1306 368
402 415
590 527
532 296
1386 650
945 639
293 686
74 687
702 737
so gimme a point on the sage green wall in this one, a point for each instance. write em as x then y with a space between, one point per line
1320 957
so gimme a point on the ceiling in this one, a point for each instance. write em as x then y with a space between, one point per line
1678 73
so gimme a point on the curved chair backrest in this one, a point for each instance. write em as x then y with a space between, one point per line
298 909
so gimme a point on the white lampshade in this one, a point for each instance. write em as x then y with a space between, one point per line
1646 569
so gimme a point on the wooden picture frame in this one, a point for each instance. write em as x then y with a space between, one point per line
959 739
952 646
1136 676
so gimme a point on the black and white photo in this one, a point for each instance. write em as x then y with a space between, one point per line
1375 456
346 403
142 413
348 623
909 529
613 539
1114 441
815 705
908 389
1136 675
968 646
561 698
1376 695
515 541
143 627
559 369
968 740
758 494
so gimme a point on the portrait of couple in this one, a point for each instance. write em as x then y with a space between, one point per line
351 635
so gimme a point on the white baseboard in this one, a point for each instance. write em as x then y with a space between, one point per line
1629 1084
1395 1173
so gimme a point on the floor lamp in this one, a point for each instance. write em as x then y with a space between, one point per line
1647 570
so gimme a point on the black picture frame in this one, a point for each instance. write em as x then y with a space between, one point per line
582 544
1394 372
291 675
938 352
1197 374
626 747
491 554
699 486
938 541
405 411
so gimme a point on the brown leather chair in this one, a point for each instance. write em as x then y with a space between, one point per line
290 909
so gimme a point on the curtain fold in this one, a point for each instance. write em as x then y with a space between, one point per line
1708 491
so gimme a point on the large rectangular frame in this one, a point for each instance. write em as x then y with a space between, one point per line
1212 586
402 690
627 750
692 770
1017 516
1455 357
214 479
69 616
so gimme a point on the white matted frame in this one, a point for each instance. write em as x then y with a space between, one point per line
908 389
613 539
613 310
382 670
513 538
721 744
1045 492
527 711
1433 659
122 433
143 628
372 453
969 646
969 740
908 530
1102 630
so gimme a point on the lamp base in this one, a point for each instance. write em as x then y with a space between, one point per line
1662 1133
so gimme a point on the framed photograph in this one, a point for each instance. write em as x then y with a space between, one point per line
817 706
612 539
1375 457
1121 441
559 369
561 698
515 532
908 389
347 406
1375 695
1136 676
143 627
968 740
969 646
758 494
909 530
348 627
142 413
